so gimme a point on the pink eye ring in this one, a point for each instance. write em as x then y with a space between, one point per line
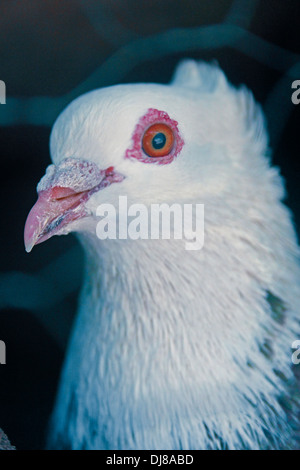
156 139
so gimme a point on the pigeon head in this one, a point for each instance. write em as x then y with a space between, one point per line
152 143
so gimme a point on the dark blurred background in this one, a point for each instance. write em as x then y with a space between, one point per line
50 52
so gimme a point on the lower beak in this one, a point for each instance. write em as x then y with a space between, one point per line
62 194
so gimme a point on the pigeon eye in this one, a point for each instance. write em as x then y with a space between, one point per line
158 140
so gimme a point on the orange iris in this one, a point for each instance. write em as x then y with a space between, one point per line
158 140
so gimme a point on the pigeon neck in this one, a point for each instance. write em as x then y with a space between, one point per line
145 272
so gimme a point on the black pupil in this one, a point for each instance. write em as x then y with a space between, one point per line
159 141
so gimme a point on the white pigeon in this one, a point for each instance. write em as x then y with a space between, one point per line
175 348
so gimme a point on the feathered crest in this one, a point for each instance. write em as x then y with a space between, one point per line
199 75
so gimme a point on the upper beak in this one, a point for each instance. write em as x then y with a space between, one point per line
62 193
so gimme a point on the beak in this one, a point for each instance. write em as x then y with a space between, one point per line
62 193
